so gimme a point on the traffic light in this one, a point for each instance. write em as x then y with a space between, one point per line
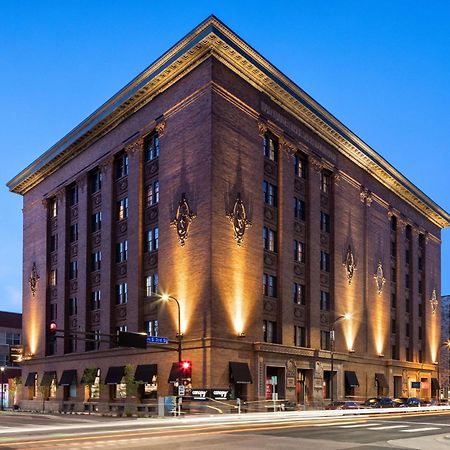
52 332
186 369
128 339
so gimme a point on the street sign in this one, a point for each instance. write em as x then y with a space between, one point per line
157 340
181 391
274 379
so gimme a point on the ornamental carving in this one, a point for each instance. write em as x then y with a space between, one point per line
379 277
160 128
239 220
434 302
262 128
315 164
183 219
365 196
350 265
33 280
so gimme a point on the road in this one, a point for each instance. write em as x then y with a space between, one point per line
430 431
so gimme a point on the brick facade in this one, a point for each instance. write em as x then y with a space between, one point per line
212 125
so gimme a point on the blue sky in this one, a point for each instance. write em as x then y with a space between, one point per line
381 67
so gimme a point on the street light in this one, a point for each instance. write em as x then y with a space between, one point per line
346 316
2 370
446 344
167 298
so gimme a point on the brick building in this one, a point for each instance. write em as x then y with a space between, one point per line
444 355
214 178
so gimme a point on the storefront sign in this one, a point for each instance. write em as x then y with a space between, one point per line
215 394
415 384
199 394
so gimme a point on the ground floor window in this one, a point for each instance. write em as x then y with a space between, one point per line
149 390
94 388
52 390
119 390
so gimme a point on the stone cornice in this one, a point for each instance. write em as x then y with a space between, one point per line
213 38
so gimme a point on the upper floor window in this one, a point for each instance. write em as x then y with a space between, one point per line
299 251
96 261
325 182
325 341
121 293
73 195
96 297
270 148
122 208
298 291
270 193
73 232
299 336
152 239
73 306
299 209
12 339
324 261
151 327
152 194
53 207
121 165
53 311
151 284
73 270
269 285
53 242
269 239
325 301
324 222
52 277
300 166
95 181
151 147
270 331
122 251
96 221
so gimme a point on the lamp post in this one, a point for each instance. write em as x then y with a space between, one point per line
346 316
167 298
2 370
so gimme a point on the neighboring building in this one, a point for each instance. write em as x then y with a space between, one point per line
214 178
444 356
10 334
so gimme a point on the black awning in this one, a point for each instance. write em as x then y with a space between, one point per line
381 380
115 375
146 372
240 373
435 385
351 380
173 376
48 378
68 378
30 379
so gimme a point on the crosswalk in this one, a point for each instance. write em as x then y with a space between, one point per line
402 428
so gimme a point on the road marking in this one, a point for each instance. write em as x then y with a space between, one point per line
387 427
330 424
416 430
359 425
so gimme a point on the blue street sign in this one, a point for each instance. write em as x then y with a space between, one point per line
157 340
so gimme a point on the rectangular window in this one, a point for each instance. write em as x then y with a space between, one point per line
270 193
53 207
395 352
95 181
152 194
324 261
265 284
299 251
121 165
96 221
420 333
73 270
12 339
95 300
270 331
151 284
393 249
408 354
121 293
53 242
407 256
299 209
269 239
393 274
122 251
393 300
325 222
96 261
151 327
73 195
152 240
325 341
420 263
407 279
270 148
72 348
407 329
53 311
52 277
325 182
299 336
325 301
300 166
272 288
151 147
73 306
299 293
420 309
122 208
73 232
393 326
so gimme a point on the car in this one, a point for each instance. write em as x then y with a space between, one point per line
384 402
343 405
431 402
370 402
403 402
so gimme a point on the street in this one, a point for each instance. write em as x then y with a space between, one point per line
416 430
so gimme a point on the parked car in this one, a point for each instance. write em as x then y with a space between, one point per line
370 402
403 402
431 402
384 402
343 405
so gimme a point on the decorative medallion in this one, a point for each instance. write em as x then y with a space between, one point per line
183 219
379 277
239 220
33 280
434 302
350 265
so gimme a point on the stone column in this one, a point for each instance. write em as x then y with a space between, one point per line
401 302
62 273
414 319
